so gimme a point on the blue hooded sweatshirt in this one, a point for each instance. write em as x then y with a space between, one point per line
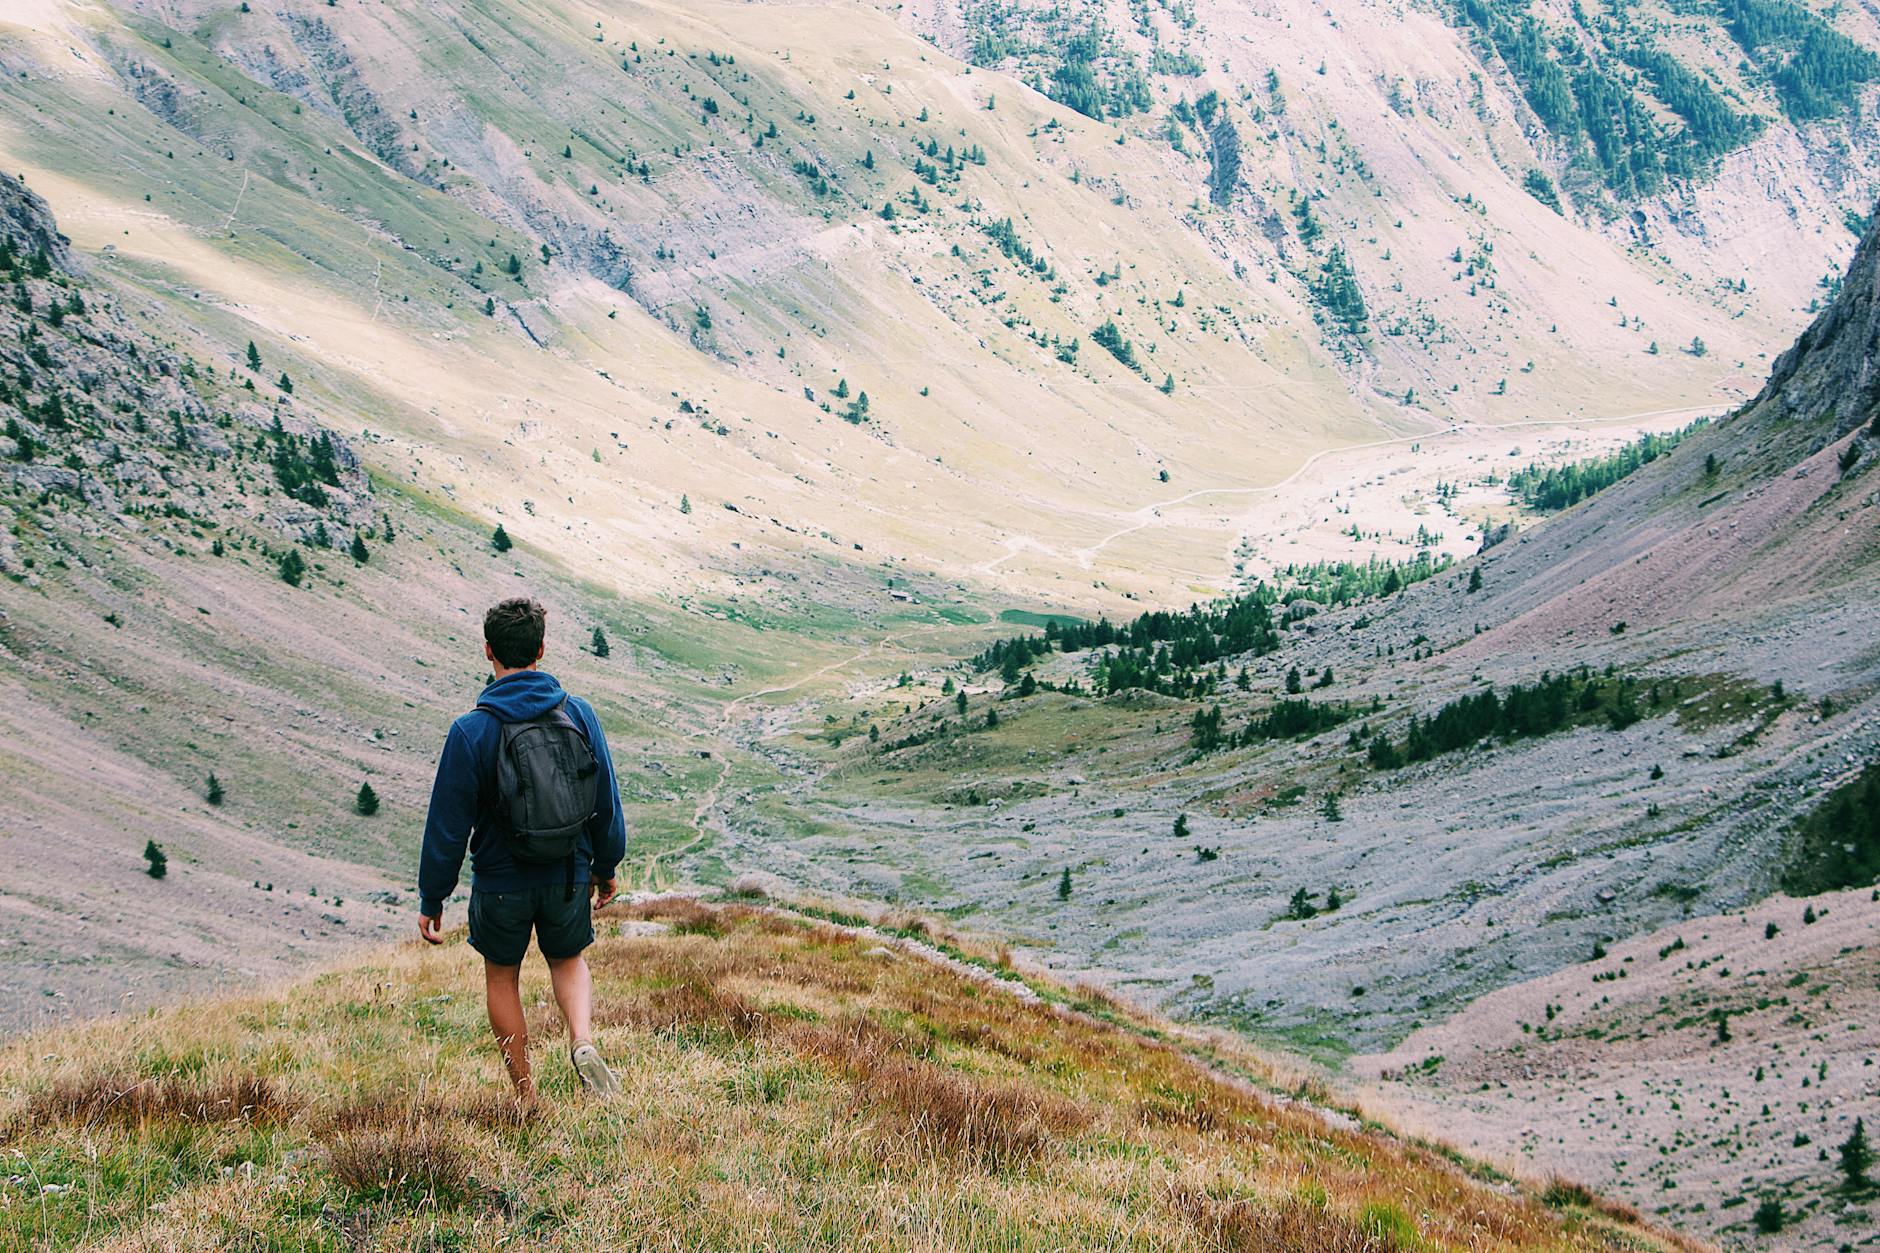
466 775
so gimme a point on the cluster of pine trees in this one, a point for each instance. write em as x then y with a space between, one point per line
1817 71
1005 235
1524 711
1336 290
1288 719
1159 651
303 467
1598 112
1343 582
1075 83
1563 486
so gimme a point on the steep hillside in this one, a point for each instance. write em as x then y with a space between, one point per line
788 1084
219 624
691 238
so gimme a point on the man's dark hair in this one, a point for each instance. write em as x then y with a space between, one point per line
514 629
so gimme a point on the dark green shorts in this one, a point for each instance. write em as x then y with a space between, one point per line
500 923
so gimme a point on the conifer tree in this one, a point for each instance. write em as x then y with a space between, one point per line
213 792
1064 885
159 863
1857 1157
367 802
500 541
599 643
293 567
359 551
254 356
1475 579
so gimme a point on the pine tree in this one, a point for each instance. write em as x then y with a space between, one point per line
293 567
213 793
685 504
1293 685
1329 810
599 643
1064 885
359 550
1181 826
500 541
1857 1157
959 701
1475 579
286 384
1300 907
489 306
159 862
254 356
367 802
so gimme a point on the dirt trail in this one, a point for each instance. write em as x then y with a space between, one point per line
654 874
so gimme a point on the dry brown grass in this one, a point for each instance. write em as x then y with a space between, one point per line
695 1004
416 1164
786 1087
119 1099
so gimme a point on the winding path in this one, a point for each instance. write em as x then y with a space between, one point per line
654 874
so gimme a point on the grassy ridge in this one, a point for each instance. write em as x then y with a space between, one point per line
788 1085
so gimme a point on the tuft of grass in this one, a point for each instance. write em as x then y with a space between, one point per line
414 1166
121 1099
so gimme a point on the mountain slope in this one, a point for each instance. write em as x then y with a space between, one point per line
788 1084
770 210
1342 823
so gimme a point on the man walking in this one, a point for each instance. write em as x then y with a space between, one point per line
526 785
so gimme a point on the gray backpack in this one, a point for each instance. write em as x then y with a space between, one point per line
547 780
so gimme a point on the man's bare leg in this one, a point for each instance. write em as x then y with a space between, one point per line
502 989
574 993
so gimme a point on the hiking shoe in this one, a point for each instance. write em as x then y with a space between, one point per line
595 1076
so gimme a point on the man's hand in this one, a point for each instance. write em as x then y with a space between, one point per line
604 891
431 927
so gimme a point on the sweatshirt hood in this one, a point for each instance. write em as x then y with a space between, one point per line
521 696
